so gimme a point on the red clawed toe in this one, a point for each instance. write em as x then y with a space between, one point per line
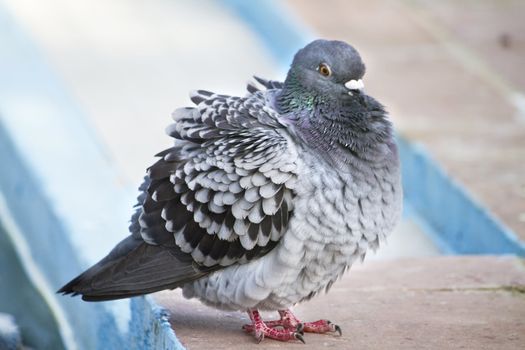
270 329
288 327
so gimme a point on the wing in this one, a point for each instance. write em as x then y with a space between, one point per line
265 84
223 194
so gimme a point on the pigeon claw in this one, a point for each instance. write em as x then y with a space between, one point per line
272 329
259 336
338 330
288 327
300 337
321 327
262 331
300 328
334 327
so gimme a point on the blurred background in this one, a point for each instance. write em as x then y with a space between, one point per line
87 88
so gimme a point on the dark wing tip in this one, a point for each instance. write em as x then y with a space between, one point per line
69 287
74 287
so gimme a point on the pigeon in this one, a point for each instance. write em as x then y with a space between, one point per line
264 201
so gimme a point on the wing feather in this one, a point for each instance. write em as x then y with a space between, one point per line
222 195
226 188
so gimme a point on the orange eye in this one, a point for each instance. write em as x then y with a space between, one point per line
324 70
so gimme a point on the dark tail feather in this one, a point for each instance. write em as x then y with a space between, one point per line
134 268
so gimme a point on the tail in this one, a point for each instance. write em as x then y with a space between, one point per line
134 268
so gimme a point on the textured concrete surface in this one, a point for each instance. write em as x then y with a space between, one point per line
493 29
450 81
38 327
430 303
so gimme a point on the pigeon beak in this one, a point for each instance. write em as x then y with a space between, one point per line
354 85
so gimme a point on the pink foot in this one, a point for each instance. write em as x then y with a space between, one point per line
289 325
262 329
321 326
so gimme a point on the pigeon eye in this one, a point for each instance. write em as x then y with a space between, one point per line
324 70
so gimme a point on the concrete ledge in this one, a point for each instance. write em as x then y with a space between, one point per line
64 200
9 333
456 222
20 292
432 303
150 328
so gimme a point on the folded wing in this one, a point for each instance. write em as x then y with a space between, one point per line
222 195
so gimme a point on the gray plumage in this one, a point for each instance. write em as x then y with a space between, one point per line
264 200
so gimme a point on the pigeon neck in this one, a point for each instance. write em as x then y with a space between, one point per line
358 128
294 97
351 127
348 131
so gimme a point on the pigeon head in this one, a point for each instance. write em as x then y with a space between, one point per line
327 70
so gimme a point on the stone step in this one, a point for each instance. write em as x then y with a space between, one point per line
469 302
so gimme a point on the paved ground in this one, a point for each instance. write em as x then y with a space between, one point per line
431 303
453 76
